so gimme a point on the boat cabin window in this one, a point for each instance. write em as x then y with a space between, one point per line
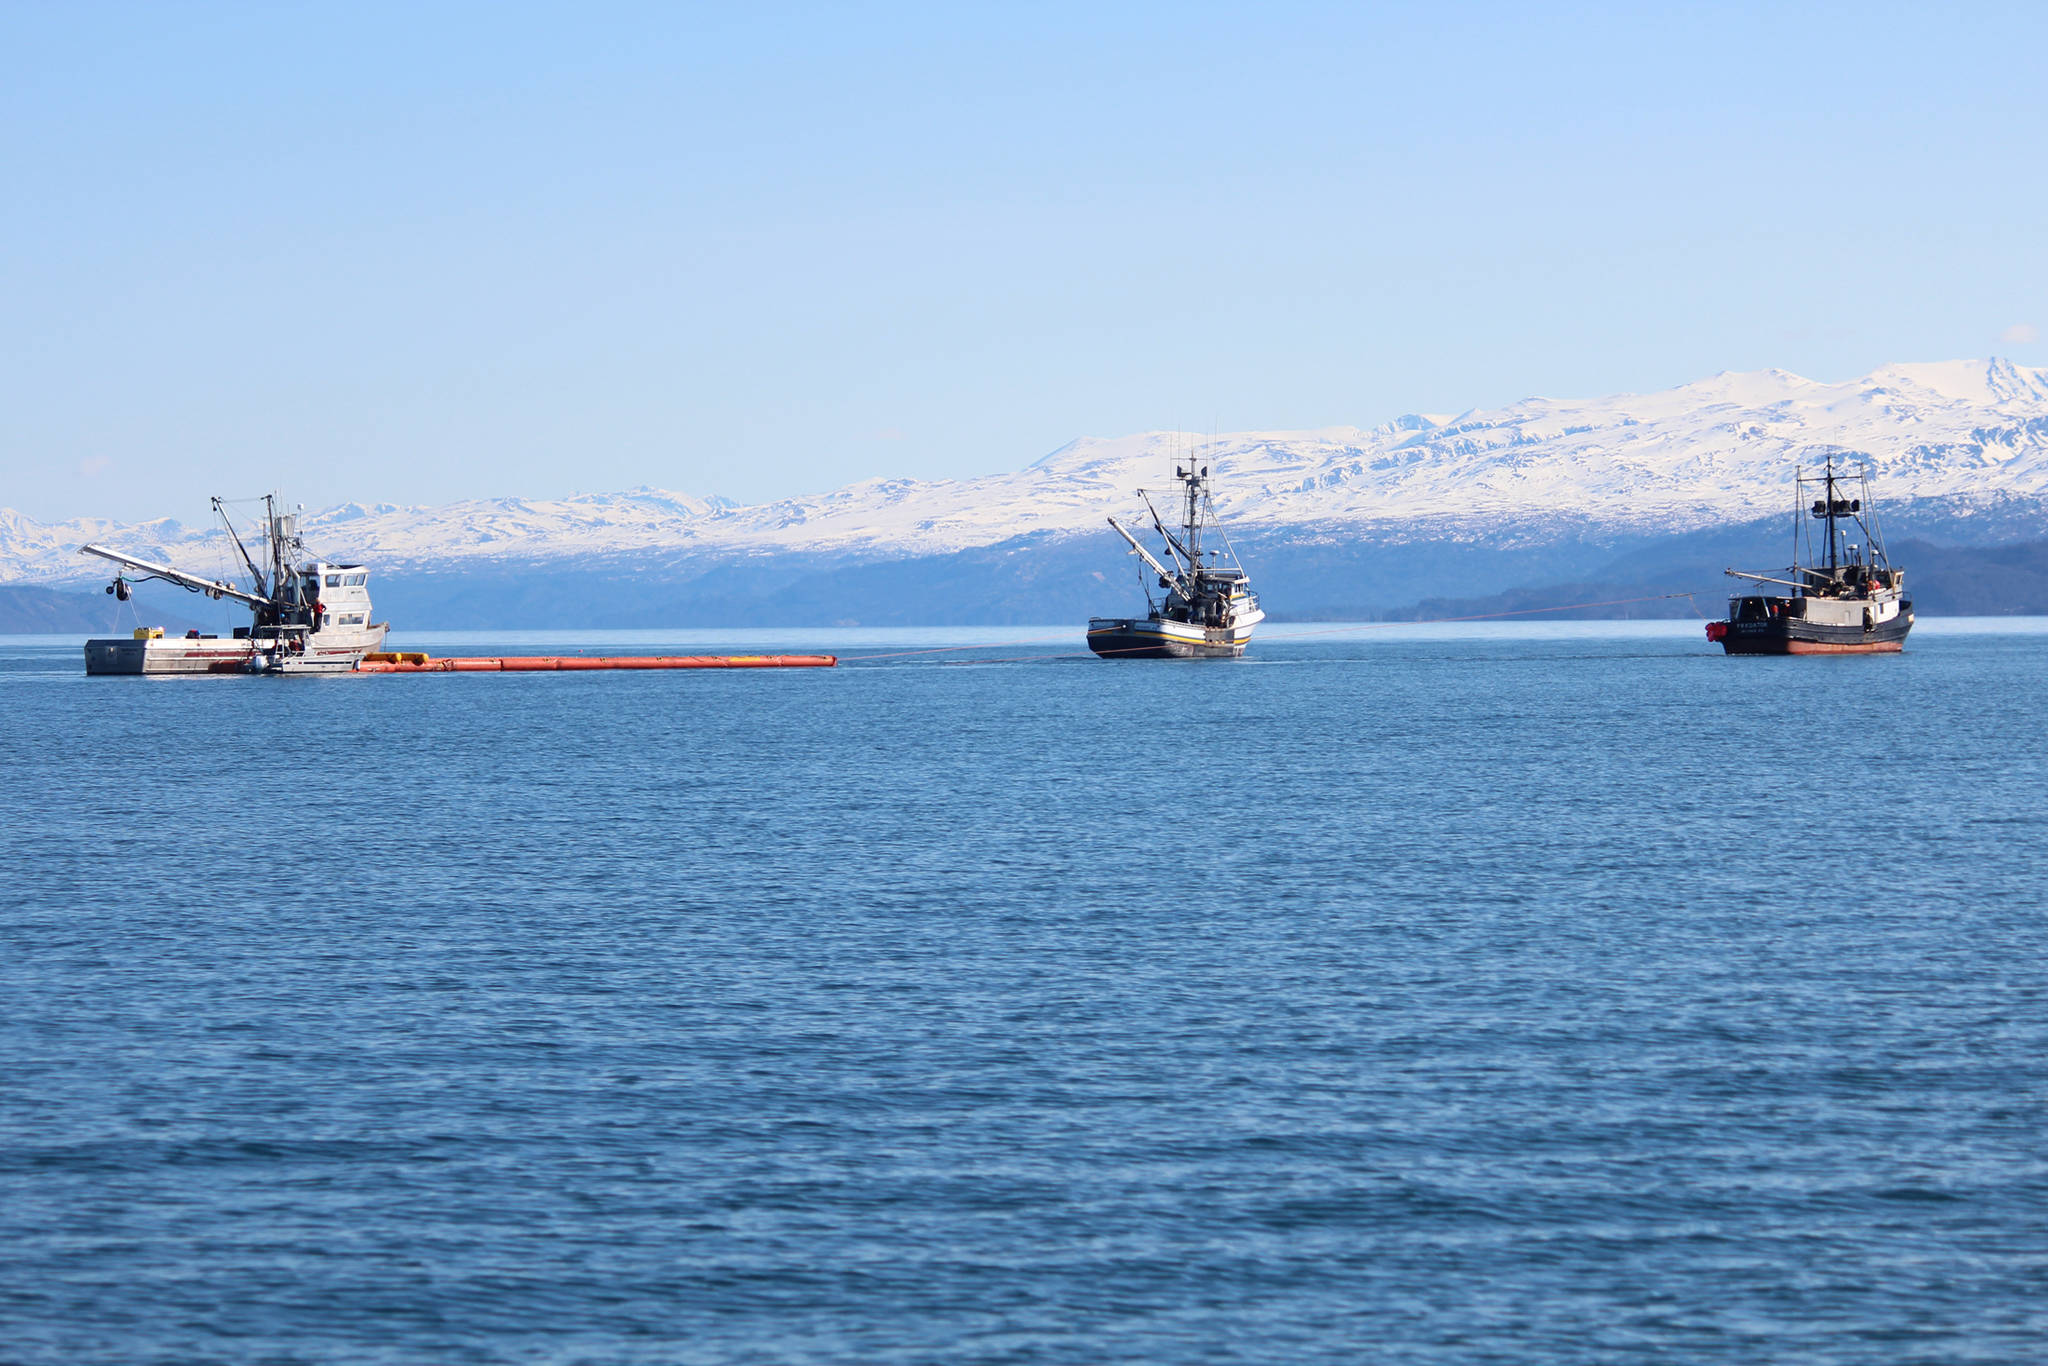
334 580
1751 609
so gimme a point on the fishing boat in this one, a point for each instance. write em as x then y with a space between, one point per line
309 616
1208 610
1845 597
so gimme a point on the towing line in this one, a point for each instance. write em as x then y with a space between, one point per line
415 663
1291 635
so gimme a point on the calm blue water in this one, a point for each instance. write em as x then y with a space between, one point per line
1555 995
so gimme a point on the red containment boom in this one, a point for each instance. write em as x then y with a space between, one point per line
517 664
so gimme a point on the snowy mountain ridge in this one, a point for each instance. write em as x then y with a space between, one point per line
1715 450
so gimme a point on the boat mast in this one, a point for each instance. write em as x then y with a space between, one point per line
1834 532
287 592
1191 519
1798 520
1872 532
221 511
279 573
1834 510
270 542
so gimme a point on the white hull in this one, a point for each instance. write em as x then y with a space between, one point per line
326 652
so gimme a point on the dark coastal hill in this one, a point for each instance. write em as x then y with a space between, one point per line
1943 581
31 611
1033 581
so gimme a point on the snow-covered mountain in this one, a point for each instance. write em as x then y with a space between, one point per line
1969 432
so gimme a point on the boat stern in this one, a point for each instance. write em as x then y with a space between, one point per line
1150 638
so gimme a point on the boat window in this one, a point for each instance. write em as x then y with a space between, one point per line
334 580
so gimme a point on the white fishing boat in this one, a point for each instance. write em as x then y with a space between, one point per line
1209 608
310 616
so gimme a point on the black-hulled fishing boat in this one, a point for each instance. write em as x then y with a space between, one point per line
1846 598
1209 608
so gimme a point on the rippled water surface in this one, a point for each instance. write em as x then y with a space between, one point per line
1563 995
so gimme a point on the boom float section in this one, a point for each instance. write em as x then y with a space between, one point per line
518 664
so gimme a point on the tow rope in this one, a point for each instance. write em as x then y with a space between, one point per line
1352 629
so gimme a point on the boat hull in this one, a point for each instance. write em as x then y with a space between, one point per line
1141 638
162 656
175 656
1792 636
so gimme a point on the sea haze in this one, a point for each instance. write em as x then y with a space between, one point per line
1534 994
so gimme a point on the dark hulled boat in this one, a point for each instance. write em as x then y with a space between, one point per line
1209 609
1846 599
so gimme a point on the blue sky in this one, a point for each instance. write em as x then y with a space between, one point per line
417 253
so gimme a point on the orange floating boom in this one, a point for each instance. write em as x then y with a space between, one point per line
513 664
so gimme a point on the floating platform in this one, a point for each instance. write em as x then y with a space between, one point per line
519 664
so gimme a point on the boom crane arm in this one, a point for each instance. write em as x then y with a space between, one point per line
1139 550
1766 578
1173 545
220 510
213 588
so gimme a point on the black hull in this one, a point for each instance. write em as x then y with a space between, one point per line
1793 636
1142 644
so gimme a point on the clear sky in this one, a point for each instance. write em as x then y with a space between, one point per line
419 252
